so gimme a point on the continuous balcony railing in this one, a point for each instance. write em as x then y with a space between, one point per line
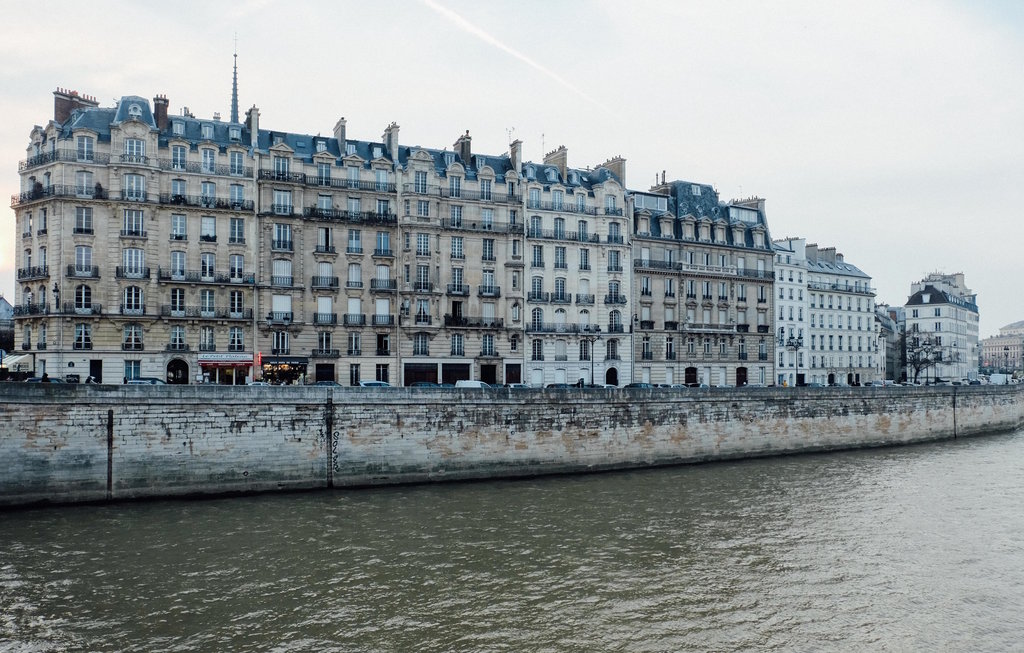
562 207
198 167
201 276
31 309
716 328
327 181
569 236
478 225
474 322
206 202
383 284
215 312
561 327
474 195
614 299
840 287
344 215
59 190
122 272
62 155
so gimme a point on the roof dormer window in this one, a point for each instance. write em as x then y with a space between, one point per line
551 174
321 146
178 127
350 149
449 158
695 190
378 152
531 172
207 131
235 133
134 110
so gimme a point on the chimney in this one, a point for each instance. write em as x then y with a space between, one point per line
160 104
515 154
827 254
812 252
390 138
617 166
558 158
839 257
65 101
252 122
462 146
339 133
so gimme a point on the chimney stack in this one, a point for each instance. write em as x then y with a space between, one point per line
560 159
65 101
515 154
617 165
252 122
390 138
339 133
462 146
160 104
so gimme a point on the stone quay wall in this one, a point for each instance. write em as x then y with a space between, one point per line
67 443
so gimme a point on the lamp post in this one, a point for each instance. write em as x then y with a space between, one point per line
591 344
795 345
1006 359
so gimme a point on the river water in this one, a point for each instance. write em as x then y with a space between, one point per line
903 549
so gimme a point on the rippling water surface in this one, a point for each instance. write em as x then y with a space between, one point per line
906 549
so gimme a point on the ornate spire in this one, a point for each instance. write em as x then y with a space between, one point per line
234 86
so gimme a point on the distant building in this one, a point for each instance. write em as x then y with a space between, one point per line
890 330
791 311
942 324
1006 350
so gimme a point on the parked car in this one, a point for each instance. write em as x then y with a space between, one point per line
638 385
558 386
39 379
257 383
423 384
372 384
333 384
516 385
469 383
146 380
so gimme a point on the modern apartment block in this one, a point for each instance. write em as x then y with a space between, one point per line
702 287
942 325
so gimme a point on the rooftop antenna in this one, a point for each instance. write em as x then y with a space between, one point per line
234 85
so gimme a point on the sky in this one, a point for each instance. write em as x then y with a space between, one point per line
891 131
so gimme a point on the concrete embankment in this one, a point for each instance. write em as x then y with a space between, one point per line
61 443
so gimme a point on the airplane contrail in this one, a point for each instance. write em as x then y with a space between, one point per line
469 27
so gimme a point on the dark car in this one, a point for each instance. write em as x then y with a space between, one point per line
423 384
332 384
39 379
560 385
638 385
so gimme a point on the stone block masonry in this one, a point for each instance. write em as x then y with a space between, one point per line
66 443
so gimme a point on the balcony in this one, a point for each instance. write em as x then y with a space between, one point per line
561 327
742 355
328 353
384 252
671 326
383 320
742 328
616 328
488 353
646 325
355 284
422 320
488 291
62 155
762 328
280 317
356 351
647 356
281 351
537 263
207 238
325 318
131 309
204 168
178 346
204 276
30 309
585 299
614 268
561 298
670 355
762 356
354 319
82 231
80 344
95 308
133 346
460 289
27 346
41 345
474 322
423 286
343 215
614 239
613 210
211 312
58 190
35 272
354 249
122 272
538 296
207 346
325 249
281 245
325 282
277 280
383 285
282 209
207 202
614 299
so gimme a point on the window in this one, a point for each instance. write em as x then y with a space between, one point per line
323 173
83 336
457 345
207 265
133 261
206 339
132 338
237 196
534 202
457 252
422 244
236 167
382 181
132 369
237 265
421 345
423 208
177 264
282 202
282 236
584 259
455 216
134 150
85 148
383 207
178 154
83 184
83 219
135 187
537 350
420 185
208 192
83 298
208 229
560 258
179 227
177 300
236 303
488 249
236 231
209 160
281 342
236 341
207 131
132 302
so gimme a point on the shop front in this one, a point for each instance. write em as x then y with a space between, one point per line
224 368
285 370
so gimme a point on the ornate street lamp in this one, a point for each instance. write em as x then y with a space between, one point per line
592 345
795 345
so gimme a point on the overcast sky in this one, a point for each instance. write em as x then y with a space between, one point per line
892 131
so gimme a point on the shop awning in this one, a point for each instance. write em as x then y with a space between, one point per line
225 358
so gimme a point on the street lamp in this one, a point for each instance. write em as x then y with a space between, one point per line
795 345
591 343
1006 359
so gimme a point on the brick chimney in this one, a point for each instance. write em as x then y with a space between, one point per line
515 154
558 158
617 166
252 123
160 104
65 101
390 138
462 146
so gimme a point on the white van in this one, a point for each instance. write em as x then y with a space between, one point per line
467 383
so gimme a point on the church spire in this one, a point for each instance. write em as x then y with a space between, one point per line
234 86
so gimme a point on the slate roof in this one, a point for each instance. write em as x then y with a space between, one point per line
683 203
939 297
827 267
548 175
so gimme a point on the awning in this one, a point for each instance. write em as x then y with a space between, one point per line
225 358
18 363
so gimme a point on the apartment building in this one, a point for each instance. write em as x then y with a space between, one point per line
942 327
702 287
791 311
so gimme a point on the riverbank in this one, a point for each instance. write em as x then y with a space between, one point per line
65 444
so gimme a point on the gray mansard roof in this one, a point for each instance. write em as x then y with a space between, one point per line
684 203
937 296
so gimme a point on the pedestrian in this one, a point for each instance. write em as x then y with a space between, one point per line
46 378
125 382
